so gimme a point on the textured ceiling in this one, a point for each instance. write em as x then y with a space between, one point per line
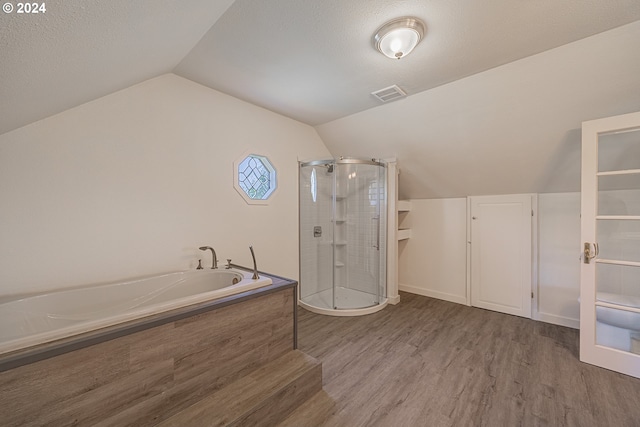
313 60
81 50
309 60
513 128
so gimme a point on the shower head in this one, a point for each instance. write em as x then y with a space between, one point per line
330 168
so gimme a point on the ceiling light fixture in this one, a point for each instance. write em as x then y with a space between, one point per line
397 38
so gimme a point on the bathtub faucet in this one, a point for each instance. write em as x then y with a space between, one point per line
213 253
255 266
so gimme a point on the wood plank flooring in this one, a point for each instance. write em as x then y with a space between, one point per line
427 362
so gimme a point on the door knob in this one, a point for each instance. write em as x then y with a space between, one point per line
588 254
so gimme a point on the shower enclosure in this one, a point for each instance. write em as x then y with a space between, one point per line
343 235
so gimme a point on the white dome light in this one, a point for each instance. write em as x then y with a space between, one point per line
397 38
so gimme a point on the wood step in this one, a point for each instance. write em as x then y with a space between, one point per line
262 398
312 413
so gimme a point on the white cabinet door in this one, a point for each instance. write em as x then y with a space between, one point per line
610 229
501 253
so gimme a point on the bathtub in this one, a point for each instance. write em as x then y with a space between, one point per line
60 314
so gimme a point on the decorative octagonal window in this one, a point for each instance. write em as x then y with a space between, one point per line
254 178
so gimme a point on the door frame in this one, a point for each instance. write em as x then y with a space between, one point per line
590 351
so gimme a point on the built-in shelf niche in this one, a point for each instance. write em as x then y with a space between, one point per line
404 234
404 206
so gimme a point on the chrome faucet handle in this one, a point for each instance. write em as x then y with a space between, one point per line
199 267
228 264
255 267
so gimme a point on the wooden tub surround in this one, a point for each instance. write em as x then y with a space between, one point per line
161 369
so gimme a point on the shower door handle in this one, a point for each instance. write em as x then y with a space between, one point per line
377 245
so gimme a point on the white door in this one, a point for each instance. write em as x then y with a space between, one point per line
610 228
501 253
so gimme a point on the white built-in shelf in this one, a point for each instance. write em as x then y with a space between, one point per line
340 243
404 234
404 205
340 220
339 264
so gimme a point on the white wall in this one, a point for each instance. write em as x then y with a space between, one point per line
559 259
433 262
134 182
560 250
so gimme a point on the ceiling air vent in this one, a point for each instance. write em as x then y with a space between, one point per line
390 93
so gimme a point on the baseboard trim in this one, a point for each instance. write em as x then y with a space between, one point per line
542 317
394 300
433 294
558 320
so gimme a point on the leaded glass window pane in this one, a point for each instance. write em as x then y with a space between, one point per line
256 177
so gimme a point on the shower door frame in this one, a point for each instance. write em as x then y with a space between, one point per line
382 207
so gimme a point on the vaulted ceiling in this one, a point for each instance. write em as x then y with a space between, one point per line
314 60
80 50
485 70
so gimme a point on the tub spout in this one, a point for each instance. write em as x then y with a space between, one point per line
214 265
255 267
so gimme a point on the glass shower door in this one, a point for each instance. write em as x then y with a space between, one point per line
360 234
316 234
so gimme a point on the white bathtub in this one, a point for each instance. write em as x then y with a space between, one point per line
47 317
